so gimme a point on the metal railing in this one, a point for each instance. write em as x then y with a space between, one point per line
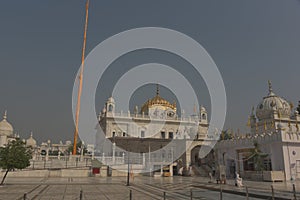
192 194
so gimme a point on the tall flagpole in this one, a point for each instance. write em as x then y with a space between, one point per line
80 78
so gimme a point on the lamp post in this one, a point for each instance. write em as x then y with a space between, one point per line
161 160
149 160
66 160
127 184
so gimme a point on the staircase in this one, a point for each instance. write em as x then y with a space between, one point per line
200 171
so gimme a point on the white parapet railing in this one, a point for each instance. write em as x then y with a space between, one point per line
59 162
144 116
111 160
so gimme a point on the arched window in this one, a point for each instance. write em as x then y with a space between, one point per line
163 134
110 108
204 116
171 135
142 134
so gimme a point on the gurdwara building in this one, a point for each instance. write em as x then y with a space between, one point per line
271 151
156 133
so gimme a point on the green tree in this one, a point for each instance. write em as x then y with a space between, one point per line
78 150
15 155
226 135
258 157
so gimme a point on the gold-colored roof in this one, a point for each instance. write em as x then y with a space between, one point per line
158 100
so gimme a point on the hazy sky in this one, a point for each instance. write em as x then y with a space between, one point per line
251 41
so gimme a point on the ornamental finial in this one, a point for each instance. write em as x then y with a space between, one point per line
5 115
271 93
157 89
270 86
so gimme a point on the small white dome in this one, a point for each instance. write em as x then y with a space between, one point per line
111 99
202 108
30 141
272 103
6 128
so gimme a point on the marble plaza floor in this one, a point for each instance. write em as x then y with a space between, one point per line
115 188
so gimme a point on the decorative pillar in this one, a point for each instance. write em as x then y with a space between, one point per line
47 154
144 159
103 158
34 154
48 147
171 169
188 154
93 154
149 159
81 151
113 153
70 155
172 161
161 163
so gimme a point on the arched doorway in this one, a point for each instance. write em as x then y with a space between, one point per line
195 155
209 159
204 165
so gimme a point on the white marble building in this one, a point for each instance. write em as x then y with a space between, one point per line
275 127
133 129
155 110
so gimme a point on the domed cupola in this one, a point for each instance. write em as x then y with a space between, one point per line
31 141
272 104
6 128
110 105
157 101
111 99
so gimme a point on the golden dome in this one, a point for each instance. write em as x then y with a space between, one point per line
157 101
